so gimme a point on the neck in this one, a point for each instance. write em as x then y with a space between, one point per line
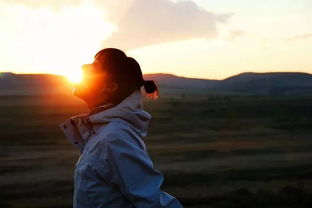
101 108
96 103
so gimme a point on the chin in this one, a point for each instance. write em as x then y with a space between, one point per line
79 91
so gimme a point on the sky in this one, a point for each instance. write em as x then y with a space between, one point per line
211 39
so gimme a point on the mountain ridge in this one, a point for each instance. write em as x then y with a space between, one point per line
283 83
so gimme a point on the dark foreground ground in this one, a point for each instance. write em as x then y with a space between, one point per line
215 150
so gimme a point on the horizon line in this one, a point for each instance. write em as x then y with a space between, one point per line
179 76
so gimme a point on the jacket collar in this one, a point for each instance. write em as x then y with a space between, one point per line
79 129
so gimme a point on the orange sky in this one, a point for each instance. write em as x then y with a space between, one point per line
200 38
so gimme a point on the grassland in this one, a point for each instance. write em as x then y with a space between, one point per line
215 150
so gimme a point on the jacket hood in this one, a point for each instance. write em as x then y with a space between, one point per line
129 111
79 128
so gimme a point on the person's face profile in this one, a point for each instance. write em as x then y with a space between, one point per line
92 72
95 82
94 79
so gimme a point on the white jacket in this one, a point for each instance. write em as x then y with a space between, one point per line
114 169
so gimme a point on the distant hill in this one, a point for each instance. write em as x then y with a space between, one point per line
20 84
280 83
173 81
268 83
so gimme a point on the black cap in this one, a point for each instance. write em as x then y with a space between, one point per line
126 72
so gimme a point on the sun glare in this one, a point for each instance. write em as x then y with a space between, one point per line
75 77
55 41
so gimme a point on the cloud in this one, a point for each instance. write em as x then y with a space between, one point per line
53 4
145 22
235 34
300 37
158 21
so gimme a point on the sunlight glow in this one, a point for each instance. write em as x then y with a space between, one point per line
74 77
53 41
58 37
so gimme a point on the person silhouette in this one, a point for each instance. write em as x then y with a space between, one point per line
114 169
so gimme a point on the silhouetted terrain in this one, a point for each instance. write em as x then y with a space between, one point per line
277 83
237 142
25 84
220 143
268 83
215 150
172 81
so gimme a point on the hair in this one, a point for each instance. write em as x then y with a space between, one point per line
126 72
151 89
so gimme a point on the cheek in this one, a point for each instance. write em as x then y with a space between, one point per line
88 83
90 86
98 83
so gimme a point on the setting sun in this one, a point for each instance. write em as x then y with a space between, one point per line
198 38
57 41
75 77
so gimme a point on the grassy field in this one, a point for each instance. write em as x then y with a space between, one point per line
215 150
